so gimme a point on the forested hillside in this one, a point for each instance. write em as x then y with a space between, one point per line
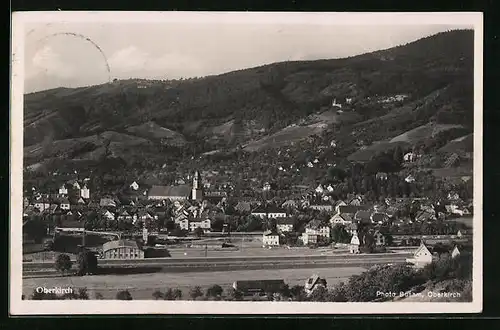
383 95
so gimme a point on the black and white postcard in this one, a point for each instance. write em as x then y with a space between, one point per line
246 163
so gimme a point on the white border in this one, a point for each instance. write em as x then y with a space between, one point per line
31 307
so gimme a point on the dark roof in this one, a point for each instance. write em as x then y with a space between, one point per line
362 215
168 191
314 224
269 209
377 216
285 221
352 209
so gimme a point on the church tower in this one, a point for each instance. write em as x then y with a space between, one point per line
197 193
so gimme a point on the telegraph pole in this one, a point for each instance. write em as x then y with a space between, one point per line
206 250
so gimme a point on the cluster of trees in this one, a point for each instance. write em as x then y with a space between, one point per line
86 263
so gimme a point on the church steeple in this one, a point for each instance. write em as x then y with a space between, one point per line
197 192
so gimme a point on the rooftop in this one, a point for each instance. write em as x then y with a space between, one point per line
118 244
167 191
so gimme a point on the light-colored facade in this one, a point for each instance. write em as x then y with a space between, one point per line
354 246
309 238
323 231
203 224
284 227
421 257
270 239
122 249
85 192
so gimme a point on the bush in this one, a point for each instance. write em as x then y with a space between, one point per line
195 293
214 291
63 263
124 295
233 294
364 287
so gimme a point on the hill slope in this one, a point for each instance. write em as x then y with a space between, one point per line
267 106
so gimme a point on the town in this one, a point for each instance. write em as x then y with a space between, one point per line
354 176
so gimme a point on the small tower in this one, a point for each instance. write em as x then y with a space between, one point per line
197 193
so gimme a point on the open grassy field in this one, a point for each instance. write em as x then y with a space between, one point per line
142 286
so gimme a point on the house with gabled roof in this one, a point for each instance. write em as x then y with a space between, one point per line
64 204
107 202
315 227
63 190
42 204
108 215
341 218
422 256
313 282
124 216
134 186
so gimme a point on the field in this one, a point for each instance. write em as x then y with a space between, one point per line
423 132
142 286
364 155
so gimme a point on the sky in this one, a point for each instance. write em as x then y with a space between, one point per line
80 53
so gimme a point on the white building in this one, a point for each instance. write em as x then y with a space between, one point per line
270 239
85 192
284 225
64 205
422 257
63 191
354 246
204 224
134 185
320 189
308 238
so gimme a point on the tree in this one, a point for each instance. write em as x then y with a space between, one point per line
98 296
398 155
124 295
177 293
83 294
234 294
340 234
63 263
214 291
87 262
195 293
